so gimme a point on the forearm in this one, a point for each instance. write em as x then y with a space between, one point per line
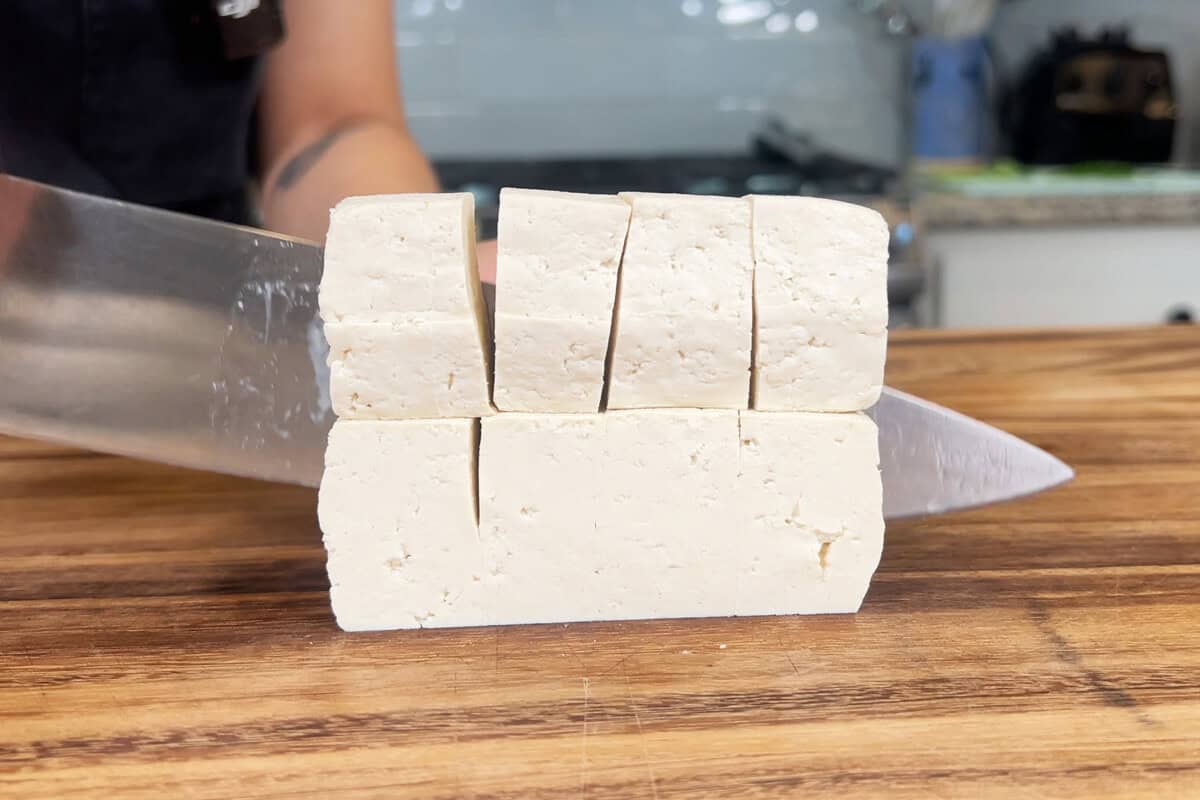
354 158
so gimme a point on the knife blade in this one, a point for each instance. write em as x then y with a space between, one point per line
151 334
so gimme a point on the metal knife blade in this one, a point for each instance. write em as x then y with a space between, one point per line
145 333
141 332
936 460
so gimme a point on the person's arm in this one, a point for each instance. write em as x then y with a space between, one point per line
331 119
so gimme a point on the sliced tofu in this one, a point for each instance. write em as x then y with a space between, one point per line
412 369
643 514
556 267
677 513
551 365
683 327
625 515
673 504
403 309
820 299
812 500
397 507
670 513
538 505
391 257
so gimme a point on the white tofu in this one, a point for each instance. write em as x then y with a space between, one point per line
812 502
625 515
682 331
549 365
403 308
670 513
677 513
820 298
558 253
397 507
411 370
556 267
644 514
390 257
538 506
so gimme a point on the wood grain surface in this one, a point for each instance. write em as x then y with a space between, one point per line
165 633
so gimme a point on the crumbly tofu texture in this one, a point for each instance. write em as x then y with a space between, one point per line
820 297
683 327
397 508
557 260
624 515
812 499
403 309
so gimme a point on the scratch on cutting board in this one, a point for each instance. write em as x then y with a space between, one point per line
1110 693
795 669
615 664
496 656
783 649
641 738
583 766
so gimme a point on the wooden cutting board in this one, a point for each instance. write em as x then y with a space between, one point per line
165 633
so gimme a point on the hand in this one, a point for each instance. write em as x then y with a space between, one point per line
16 201
485 252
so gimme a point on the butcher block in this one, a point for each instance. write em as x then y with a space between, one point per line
167 633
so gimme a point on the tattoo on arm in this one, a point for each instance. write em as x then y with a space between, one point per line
300 164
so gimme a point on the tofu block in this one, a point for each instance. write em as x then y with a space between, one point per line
556 266
539 540
670 513
391 257
683 327
677 513
812 500
409 370
403 308
624 515
397 507
644 514
551 365
820 299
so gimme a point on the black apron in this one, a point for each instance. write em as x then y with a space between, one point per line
133 99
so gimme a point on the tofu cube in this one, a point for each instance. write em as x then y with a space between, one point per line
556 266
391 257
820 299
538 506
670 513
667 513
683 327
403 308
624 515
397 508
407 370
812 500
550 365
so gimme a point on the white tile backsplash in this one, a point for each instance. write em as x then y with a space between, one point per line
541 78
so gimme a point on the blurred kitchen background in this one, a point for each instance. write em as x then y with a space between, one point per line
1031 156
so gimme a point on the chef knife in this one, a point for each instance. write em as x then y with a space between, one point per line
136 331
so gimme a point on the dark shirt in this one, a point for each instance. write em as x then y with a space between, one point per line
133 99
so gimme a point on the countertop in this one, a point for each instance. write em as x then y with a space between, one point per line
166 633
1059 196
950 210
